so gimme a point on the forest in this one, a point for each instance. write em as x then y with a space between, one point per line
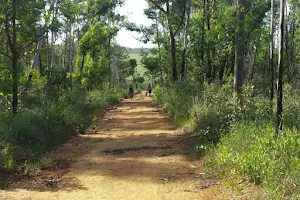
228 69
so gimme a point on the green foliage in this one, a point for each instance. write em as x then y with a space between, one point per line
251 149
53 88
243 134
6 157
210 108
174 99
291 108
38 129
140 69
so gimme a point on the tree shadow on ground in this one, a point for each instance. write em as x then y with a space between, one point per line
133 124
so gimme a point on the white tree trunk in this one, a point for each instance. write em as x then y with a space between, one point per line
187 28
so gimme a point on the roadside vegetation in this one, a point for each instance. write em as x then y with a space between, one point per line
58 65
223 73
239 141
230 69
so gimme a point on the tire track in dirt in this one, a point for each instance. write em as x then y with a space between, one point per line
141 173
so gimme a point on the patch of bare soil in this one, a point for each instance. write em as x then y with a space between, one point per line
127 156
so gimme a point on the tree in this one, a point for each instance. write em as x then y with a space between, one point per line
173 12
206 15
15 17
280 70
133 64
271 58
154 15
239 49
187 26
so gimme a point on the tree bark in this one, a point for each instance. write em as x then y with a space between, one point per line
251 75
81 68
222 70
210 68
280 70
173 46
239 50
41 67
15 86
173 56
271 58
110 79
287 43
209 73
159 50
33 64
187 26
202 34
12 42
292 49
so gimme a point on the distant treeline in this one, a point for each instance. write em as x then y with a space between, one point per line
137 50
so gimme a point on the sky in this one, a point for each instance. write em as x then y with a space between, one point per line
134 11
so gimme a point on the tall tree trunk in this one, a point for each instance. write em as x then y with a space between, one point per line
110 80
209 63
202 34
81 68
239 50
252 72
187 26
287 43
41 67
71 60
15 86
280 70
33 64
159 50
173 55
209 73
292 49
222 70
271 58
67 51
54 13
173 46
50 65
12 41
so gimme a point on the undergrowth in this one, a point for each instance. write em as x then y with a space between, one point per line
40 125
239 140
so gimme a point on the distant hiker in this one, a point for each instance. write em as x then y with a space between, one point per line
149 90
130 92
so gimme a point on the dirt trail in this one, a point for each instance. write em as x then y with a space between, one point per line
97 172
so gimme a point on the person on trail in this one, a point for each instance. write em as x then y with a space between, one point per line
130 92
149 90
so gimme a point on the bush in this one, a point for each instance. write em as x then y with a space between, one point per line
177 100
210 108
40 127
251 150
243 134
6 158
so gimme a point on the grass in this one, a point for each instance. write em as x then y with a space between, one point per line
239 140
35 130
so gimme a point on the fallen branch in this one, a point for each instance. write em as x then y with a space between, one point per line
182 140
128 149
167 154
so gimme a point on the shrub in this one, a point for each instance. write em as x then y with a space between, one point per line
6 158
251 150
37 129
243 134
